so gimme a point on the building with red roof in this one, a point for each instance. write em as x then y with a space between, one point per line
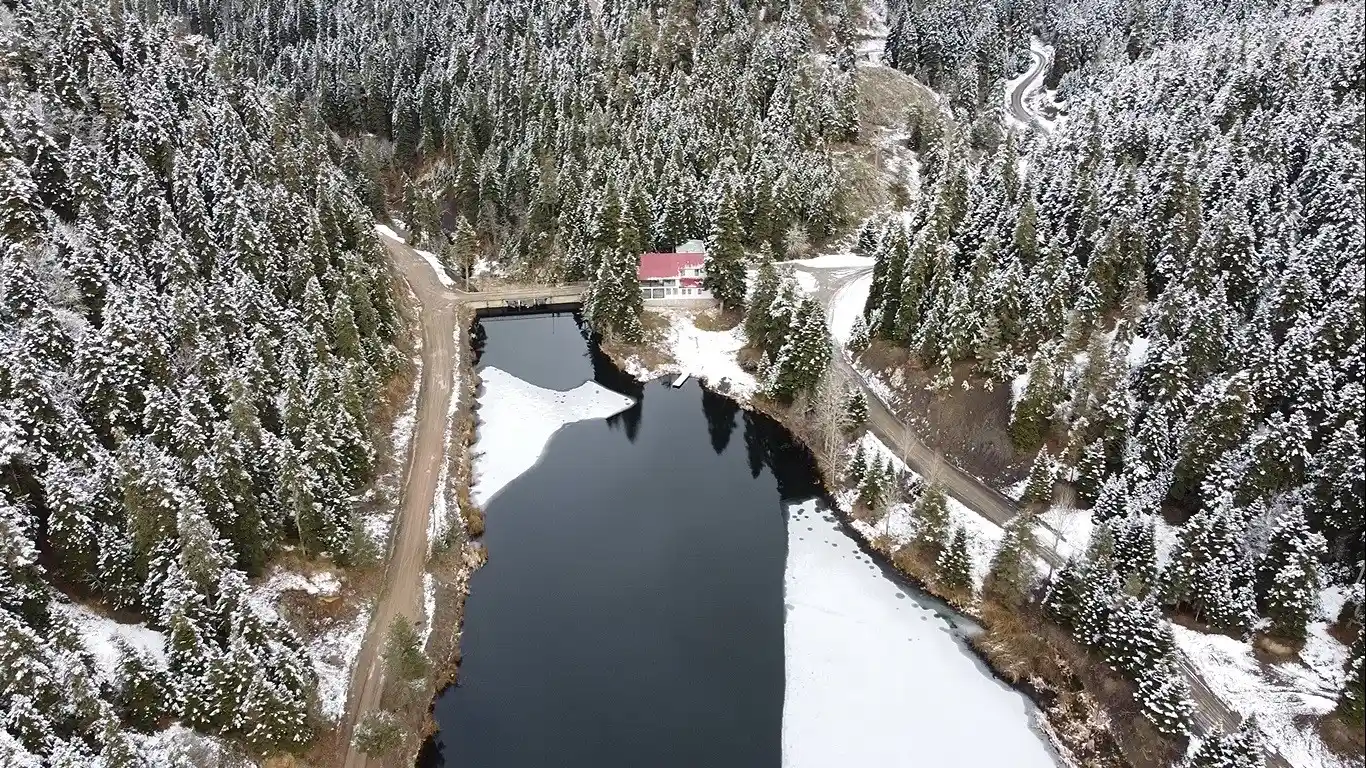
676 275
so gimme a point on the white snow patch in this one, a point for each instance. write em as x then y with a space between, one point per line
439 517
99 634
1017 390
847 306
334 652
1138 351
1278 695
378 524
181 746
427 256
806 282
320 584
1071 531
428 606
875 678
712 356
879 386
517 420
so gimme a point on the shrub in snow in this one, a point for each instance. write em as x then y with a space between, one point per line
403 651
378 734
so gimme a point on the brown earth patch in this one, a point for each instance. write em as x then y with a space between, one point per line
968 422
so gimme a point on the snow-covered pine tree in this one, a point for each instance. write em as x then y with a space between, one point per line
858 465
1164 699
1287 578
725 260
933 527
953 570
855 410
758 316
1038 488
1012 571
1352 700
858 335
1240 749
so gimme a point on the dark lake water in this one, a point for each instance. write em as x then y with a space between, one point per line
631 611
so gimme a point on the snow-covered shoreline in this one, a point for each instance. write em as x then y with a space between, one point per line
875 677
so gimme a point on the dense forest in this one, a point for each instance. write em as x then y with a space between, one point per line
1177 277
566 138
194 317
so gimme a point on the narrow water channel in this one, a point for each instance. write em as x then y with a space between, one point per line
632 609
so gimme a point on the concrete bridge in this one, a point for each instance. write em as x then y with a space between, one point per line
523 298
495 301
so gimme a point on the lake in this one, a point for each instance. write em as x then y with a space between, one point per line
632 610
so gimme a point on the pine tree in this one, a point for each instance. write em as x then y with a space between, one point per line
1352 701
1164 699
1012 571
1240 749
1135 552
1136 636
141 689
855 410
403 653
872 491
1029 423
858 335
1287 578
858 465
1038 488
954 566
931 515
725 261
758 318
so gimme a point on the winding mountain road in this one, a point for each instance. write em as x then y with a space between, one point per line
1033 79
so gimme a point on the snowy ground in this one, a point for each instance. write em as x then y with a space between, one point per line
847 306
100 636
334 654
844 260
333 648
712 356
427 256
874 678
428 606
378 524
439 520
984 536
1282 695
517 420
1071 531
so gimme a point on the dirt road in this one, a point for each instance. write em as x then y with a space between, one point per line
402 590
